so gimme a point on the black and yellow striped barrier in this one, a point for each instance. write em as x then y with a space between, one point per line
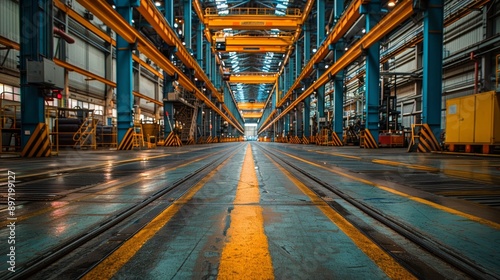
190 141
39 143
172 140
305 140
367 141
295 140
202 140
336 140
422 139
127 142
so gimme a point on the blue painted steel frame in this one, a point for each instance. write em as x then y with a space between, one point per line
307 101
320 36
124 74
36 42
433 66
338 86
372 12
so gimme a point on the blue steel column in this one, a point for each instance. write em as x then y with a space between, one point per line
372 12
199 57
292 80
199 44
338 84
208 62
307 100
187 23
168 107
320 36
169 12
36 42
298 66
433 66
124 75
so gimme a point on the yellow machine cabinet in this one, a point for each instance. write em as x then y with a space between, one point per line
473 119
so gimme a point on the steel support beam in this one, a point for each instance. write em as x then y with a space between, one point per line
433 66
338 83
36 42
372 15
320 65
188 11
305 84
124 74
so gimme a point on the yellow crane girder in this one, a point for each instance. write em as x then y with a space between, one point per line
257 49
253 79
251 105
252 115
253 22
255 40
277 44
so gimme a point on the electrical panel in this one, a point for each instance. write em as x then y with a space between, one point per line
45 73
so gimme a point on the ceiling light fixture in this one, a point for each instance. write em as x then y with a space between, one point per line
391 3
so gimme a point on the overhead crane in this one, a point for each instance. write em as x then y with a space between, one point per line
251 105
112 19
253 78
400 13
252 115
242 44
252 19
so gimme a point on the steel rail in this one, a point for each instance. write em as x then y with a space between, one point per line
55 254
448 255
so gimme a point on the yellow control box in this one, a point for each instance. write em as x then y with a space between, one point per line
473 119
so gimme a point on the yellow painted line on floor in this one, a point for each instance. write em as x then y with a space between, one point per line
414 198
114 262
407 165
246 253
383 260
472 175
455 173
70 169
336 154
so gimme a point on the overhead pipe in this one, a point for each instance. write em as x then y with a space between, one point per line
64 35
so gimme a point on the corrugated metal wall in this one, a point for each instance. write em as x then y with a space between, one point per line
9 28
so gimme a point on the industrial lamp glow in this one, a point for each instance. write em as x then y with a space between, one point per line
391 3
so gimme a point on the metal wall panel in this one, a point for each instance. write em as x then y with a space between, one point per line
77 81
9 20
9 28
97 61
147 87
77 53
147 107
463 33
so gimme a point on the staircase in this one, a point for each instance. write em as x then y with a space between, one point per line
86 134
137 137
188 116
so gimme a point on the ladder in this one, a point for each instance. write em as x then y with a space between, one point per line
86 133
137 138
